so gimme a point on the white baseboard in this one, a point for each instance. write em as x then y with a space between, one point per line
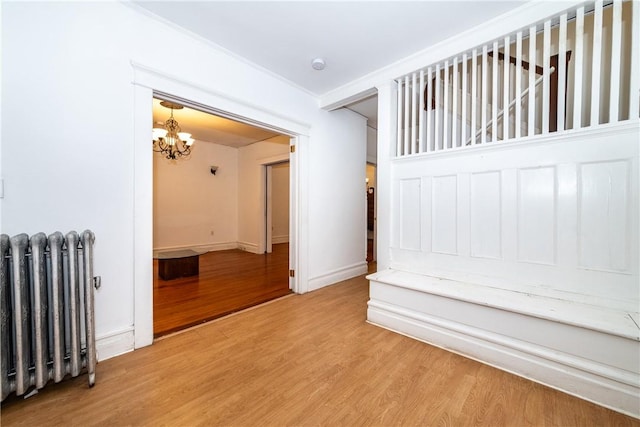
280 239
114 344
200 248
248 247
337 275
566 357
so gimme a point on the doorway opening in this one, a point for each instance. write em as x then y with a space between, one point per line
371 213
204 208
277 206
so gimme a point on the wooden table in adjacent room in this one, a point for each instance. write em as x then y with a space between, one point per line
181 263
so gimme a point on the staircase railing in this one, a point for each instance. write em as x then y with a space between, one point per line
480 97
510 106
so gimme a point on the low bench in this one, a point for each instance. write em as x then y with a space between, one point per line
180 263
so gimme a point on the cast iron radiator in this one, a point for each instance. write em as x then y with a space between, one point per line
47 322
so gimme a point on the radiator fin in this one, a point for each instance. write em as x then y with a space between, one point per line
47 321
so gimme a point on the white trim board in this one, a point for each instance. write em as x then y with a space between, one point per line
114 344
249 247
280 239
201 248
337 275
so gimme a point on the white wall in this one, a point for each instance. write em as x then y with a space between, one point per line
280 202
68 137
336 194
251 186
191 206
372 145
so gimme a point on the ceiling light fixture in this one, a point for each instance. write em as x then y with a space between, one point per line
318 64
170 141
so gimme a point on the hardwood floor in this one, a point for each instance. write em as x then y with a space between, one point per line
229 281
301 360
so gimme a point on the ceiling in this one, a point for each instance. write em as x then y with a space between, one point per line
354 38
207 127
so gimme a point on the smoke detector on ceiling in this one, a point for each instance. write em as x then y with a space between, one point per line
318 64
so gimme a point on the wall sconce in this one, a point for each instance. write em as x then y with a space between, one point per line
214 169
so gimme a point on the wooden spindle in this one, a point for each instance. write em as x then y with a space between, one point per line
474 94
483 102
414 113
429 109
505 88
494 93
531 120
445 109
616 53
595 64
518 86
407 114
577 78
562 71
421 129
546 69
436 135
399 121
463 103
454 108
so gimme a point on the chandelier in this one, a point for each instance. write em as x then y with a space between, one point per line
170 141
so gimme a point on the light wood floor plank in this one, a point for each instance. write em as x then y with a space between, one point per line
301 360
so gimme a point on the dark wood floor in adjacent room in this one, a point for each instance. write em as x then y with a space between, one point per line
229 281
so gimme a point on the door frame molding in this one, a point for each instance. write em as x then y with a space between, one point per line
148 83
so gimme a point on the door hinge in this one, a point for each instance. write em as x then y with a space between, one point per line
292 148
292 273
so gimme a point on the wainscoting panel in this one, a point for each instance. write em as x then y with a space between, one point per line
410 211
444 202
486 215
537 215
604 214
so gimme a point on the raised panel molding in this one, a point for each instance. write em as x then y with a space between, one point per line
557 218
444 214
486 216
537 217
410 214
604 215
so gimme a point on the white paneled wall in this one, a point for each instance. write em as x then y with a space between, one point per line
556 217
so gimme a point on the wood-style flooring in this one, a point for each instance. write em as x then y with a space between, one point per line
229 281
301 360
